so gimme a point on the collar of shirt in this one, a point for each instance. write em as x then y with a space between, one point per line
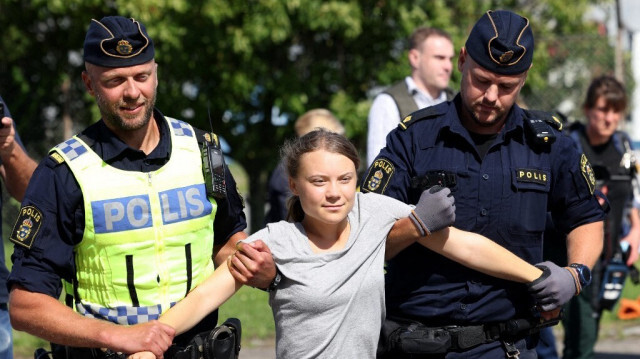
112 149
514 124
423 99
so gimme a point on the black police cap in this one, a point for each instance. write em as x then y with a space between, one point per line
116 41
501 42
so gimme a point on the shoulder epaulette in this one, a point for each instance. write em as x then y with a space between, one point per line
56 157
423 114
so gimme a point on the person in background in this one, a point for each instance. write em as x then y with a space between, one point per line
610 151
430 56
506 167
278 189
16 168
123 213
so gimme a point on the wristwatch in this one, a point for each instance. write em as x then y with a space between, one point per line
584 273
274 283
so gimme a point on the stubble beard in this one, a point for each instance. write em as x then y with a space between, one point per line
110 114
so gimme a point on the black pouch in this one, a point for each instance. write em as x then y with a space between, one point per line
222 342
405 336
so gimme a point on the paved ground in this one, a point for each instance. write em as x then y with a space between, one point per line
614 343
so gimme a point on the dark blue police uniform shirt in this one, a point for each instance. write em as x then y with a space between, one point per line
55 192
503 196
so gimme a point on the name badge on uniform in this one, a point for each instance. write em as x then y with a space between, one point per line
531 176
378 177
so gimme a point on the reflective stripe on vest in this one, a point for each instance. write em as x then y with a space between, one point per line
141 229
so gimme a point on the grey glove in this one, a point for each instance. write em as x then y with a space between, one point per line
434 211
554 287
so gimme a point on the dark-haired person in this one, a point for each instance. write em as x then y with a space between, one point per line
121 213
507 168
430 57
607 147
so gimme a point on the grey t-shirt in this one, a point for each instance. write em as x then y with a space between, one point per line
331 305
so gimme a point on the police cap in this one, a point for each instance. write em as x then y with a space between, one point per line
501 42
116 41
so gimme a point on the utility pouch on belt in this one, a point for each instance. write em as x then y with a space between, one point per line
404 336
222 342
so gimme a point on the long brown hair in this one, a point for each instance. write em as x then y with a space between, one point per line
293 150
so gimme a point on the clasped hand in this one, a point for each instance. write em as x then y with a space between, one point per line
435 210
153 337
555 287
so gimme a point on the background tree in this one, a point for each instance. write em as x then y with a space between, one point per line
253 65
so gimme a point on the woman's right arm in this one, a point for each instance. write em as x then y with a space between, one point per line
202 300
480 253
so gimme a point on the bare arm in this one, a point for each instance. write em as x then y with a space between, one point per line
17 166
480 253
469 249
204 299
403 234
49 319
584 243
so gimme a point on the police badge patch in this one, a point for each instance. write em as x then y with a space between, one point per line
587 172
27 226
379 175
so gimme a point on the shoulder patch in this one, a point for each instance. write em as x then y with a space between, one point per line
56 157
27 226
587 172
423 114
377 179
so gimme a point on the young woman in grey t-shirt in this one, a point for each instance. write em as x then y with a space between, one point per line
330 301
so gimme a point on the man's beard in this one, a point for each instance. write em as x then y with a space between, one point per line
110 114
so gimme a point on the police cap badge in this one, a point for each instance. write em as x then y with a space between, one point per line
501 42
116 41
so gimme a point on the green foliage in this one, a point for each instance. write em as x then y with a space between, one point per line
254 65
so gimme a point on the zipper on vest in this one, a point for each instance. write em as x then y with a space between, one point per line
149 178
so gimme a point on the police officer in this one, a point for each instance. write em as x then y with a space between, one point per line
506 167
121 213
610 151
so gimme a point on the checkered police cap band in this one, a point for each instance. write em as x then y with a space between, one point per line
501 42
116 41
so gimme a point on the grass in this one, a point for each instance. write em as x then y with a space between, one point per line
630 291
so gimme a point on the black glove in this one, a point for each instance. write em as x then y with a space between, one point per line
554 287
434 211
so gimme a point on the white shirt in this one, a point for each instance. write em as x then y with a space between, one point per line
384 116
